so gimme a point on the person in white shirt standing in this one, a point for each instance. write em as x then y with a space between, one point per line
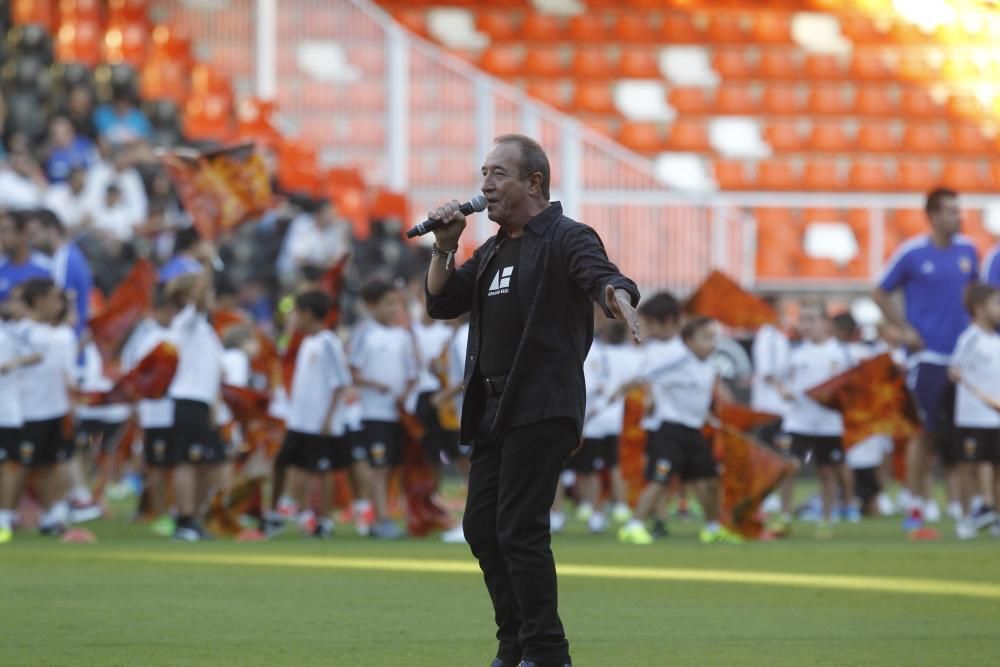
195 391
155 416
313 447
45 444
769 353
812 431
975 368
14 356
384 365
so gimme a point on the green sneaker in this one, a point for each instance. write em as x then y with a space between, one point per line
164 526
720 536
634 534
6 535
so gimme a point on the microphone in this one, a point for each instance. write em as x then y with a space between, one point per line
478 203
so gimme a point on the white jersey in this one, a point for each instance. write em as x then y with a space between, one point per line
623 366
431 341
320 370
45 385
977 358
655 353
595 377
11 348
158 413
384 355
769 352
683 389
91 378
809 365
199 367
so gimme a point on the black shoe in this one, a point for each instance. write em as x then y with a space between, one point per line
323 530
659 529
497 662
532 663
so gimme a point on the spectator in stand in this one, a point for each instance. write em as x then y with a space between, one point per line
70 269
69 202
22 183
121 122
315 238
67 151
187 245
122 210
80 111
18 264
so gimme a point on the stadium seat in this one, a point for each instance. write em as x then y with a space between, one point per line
968 138
206 80
79 42
874 101
732 63
876 138
868 67
690 100
501 60
735 99
817 267
829 136
778 243
164 79
642 137
963 106
29 41
70 74
918 102
732 175
593 97
413 20
114 78
208 118
298 170
638 63
777 174
174 42
132 11
499 26
908 222
869 175
779 64
784 136
820 66
33 12
550 93
126 43
781 99
543 62
725 28
923 138
823 175
916 175
633 28
541 28
916 68
27 75
860 29
963 176
828 99
389 205
770 27
687 135
592 62
587 29
679 28
22 115
80 10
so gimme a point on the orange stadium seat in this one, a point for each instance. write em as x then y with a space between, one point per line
541 28
817 267
501 60
918 102
207 80
641 136
687 135
732 63
829 136
735 99
968 138
866 66
691 100
876 138
964 106
38 12
779 64
822 66
963 176
208 118
163 78
80 10
633 28
916 175
132 11
638 63
593 62
552 94
413 20
544 62
923 138
777 174
908 222
126 43
823 176
781 99
874 101
594 97
869 175
828 99
860 29
389 205
499 26
172 42
916 68
784 136
732 175
587 28
80 42
679 28
779 243
298 170
771 27
725 28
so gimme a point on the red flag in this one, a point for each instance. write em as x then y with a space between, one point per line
721 298
224 513
632 448
125 307
224 319
246 404
149 379
872 398
750 471
423 512
221 189
742 418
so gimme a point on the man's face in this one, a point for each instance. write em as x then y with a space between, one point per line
77 179
40 237
947 219
10 239
503 188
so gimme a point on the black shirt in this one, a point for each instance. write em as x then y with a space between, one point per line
561 271
499 310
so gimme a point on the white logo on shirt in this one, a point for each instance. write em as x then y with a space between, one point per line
927 267
501 281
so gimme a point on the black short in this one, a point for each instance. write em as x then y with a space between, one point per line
43 443
595 455
866 484
768 433
976 445
195 439
93 433
676 449
384 443
825 449
9 439
307 451
158 448
437 439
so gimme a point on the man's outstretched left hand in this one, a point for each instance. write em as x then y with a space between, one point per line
619 302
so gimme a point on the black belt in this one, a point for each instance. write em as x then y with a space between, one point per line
494 385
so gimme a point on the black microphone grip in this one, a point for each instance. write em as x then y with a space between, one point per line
478 203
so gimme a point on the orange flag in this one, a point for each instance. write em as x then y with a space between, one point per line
742 418
124 308
423 512
246 404
721 298
750 471
224 513
221 189
632 447
149 379
872 398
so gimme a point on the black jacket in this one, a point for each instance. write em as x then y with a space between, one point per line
563 268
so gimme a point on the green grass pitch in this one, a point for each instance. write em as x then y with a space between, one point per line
136 599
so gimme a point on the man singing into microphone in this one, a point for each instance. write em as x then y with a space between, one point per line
530 290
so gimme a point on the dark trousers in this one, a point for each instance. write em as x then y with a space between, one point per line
512 484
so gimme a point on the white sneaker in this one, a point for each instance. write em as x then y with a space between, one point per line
621 512
964 530
597 523
557 521
584 512
454 536
885 505
954 511
932 512
771 504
